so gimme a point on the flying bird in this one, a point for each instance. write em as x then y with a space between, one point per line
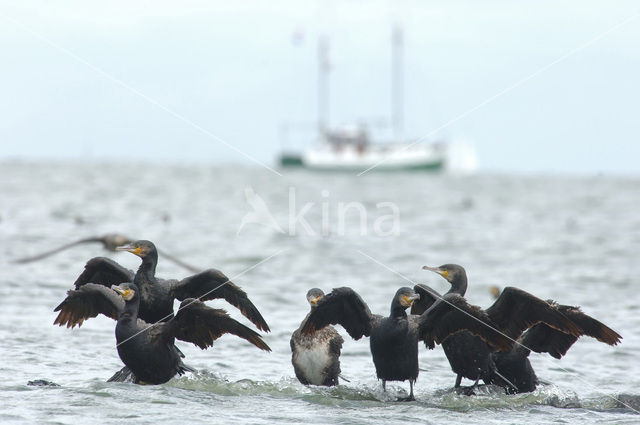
110 242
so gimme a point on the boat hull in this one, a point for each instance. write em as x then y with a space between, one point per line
381 158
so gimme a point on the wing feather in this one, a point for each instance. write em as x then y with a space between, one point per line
201 325
545 339
453 314
213 284
342 306
516 310
88 301
104 271
428 296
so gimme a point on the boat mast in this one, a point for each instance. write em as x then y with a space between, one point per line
323 85
397 82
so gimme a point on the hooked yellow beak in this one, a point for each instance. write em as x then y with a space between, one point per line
408 300
442 273
315 300
127 294
136 250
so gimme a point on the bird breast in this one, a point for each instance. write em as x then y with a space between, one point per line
313 361
312 356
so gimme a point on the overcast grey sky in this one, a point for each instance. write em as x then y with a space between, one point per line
233 69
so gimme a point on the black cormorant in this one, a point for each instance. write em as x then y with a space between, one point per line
316 358
148 350
157 295
514 365
109 242
394 339
512 313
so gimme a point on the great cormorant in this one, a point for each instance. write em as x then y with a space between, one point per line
469 356
157 295
109 242
514 365
394 339
148 350
316 358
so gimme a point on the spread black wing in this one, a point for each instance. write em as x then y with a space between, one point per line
428 296
199 324
499 326
86 302
544 339
104 271
516 310
213 284
453 314
341 306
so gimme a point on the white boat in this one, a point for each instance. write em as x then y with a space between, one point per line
350 148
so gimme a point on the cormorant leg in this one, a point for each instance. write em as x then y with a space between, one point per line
475 384
458 381
384 385
411 397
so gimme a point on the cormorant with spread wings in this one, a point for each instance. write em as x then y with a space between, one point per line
157 295
512 313
148 350
394 339
514 365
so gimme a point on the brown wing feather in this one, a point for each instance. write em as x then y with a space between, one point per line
590 326
213 284
544 339
428 296
452 314
342 306
516 310
199 324
104 271
86 302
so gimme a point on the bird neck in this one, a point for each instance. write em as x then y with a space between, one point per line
397 310
131 309
148 267
459 285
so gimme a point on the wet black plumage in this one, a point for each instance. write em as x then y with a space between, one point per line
513 312
157 295
393 339
514 365
148 350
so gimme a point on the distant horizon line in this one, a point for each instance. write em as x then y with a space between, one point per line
185 162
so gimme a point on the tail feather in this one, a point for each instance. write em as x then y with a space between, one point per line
123 375
183 368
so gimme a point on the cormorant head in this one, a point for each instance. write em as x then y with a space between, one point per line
314 295
451 272
140 248
406 296
128 291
